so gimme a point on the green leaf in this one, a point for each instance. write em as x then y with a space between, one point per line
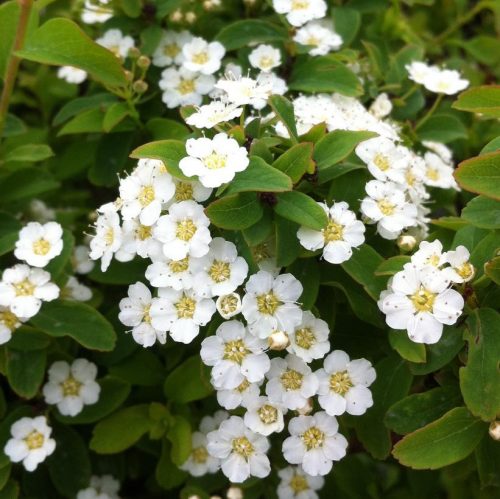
392 265
57 265
492 269
236 212
113 394
9 232
337 145
324 74
13 126
452 223
347 23
132 369
482 212
169 151
302 209
87 122
484 100
480 379
243 33
116 113
121 430
419 409
120 273
480 175
58 318
409 350
167 474
163 128
485 250
132 8
27 338
69 465
443 128
10 491
29 153
179 435
486 49
4 476
488 462
307 272
261 177
25 371
284 111
492 146
296 161
441 443
288 247
193 376
25 183
81 104
61 42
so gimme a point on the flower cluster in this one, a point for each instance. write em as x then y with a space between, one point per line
435 79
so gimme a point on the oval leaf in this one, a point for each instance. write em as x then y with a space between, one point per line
300 208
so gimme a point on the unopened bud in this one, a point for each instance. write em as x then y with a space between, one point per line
129 76
228 305
190 17
134 52
406 242
140 87
144 62
176 16
307 409
278 340
495 430
234 493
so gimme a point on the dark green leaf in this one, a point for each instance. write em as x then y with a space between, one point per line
132 369
25 183
193 376
9 232
296 161
392 265
235 212
29 153
483 212
443 128
242 33
485 100
409 350
301 209
284 111
179 435
288 247
307 272
25 371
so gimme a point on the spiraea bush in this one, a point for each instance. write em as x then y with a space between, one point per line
249 248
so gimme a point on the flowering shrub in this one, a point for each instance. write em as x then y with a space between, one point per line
238 256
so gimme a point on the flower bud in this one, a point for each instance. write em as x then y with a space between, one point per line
406 243
495 430
190 17
278 340
176 16
134 52
228 305
143 62
307 409
129 75
234 493
140 87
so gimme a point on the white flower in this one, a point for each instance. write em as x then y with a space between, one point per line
419 72
381 106
108 237
23 289
460 270
116 42
241 451
314 443
211 423
320 36
138 239
299 12
270 303
75 290
337 239
295 484
9 322
72 74
101 487
387 206
30 442
265 57
418 300
429 253
169 50
135 312
145 190
443 151
243 395
438 173
167 273
38 244
220 271
435 79
192 190
384 159
82 264
41 212
215 161
184 231
309 340
96 11
264 417
200 462
71 387
182 87
212 114
343 384
228 305
201 56
235 356
291 382
241 90
181 312
273 84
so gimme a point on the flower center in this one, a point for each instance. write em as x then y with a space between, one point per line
171 50
266 62
423 300
340 382
146 317
243 447
410 178
109 237
186 87
236 351
465 271
386 207
291 380
268 414
268 303
34 440
243 386
299 484
381 162
300 4
433 260
333 232
115 49
24 288
200 455
143 232
312 40
215 161
41 247
432 174
229 303
219 271
313 438
179 266
261 252
185 307
146 195
185 229
9 320
183 192
200 57
71 387
304 338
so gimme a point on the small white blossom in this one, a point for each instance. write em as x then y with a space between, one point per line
189 190
342 233
182 87
241 90
82 264
460 269
202 56
108 237
96 11
9 322
381 106
71 387
443 151
320 36
38 244
438 173
212 114
138 239
200 462
101 487
299 12
314 443
429 253
71 74
241 451
265 57
116 42
228 305
264 417
296 484
435 79
30 442
243 395
41 212
75 290
23 289
309 340
169 50
176 274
